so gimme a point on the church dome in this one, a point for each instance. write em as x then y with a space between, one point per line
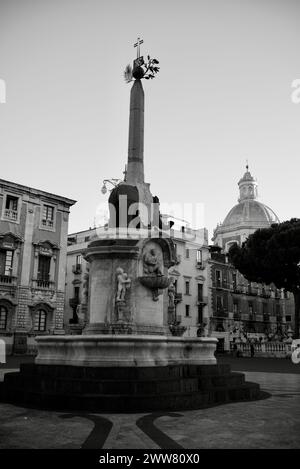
245 217
250 212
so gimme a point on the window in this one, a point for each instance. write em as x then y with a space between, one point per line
187 287
3 318
78 259
11 208
6 261
234 282
187 253
40 321
44 268
48 216
250 308
175 285
86 239
265 312
200 314
76 294
288 318
286 294
200 292
218 278
199 256
219 304
187 311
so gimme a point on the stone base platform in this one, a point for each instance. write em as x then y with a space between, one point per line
119 350
126 389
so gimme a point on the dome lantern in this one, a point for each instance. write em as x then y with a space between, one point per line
247 186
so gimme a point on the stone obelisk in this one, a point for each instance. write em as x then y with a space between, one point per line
134 191
135 166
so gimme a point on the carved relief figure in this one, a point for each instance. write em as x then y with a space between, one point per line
151 263
123 284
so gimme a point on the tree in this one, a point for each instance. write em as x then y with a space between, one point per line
272 255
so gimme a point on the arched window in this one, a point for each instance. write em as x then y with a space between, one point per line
3 318
40 320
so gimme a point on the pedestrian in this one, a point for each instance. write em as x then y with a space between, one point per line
252 349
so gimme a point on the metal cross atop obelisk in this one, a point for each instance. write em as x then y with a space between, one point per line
137 44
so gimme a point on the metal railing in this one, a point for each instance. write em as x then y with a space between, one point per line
46 222
11 214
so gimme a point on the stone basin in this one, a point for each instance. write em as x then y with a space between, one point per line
155 282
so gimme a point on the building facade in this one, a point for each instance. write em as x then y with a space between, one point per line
33 249
243 310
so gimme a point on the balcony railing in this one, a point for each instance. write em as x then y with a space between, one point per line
43 284
200 265
76 269
8 280
48 223
11 214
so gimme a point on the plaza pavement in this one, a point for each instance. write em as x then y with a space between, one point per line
269 423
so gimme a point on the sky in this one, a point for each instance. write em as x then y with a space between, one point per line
222 96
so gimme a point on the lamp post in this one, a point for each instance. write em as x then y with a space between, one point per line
113 182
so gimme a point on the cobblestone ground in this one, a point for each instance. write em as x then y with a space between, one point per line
269 423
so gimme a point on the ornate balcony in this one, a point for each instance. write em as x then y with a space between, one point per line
11 214
48 223
8 280
43 284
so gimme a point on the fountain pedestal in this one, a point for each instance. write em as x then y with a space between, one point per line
126 306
